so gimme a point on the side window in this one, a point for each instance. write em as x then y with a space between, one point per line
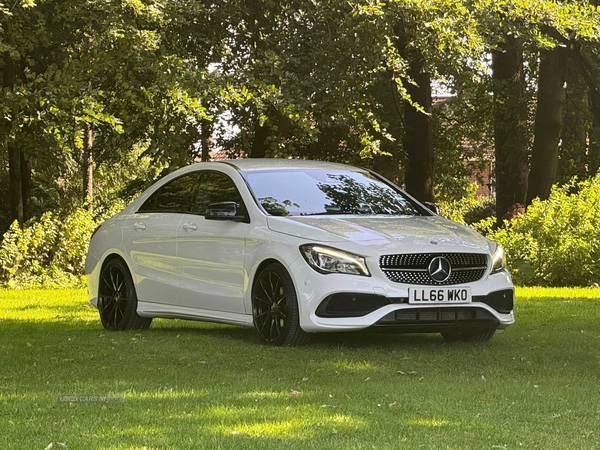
215 187
174 196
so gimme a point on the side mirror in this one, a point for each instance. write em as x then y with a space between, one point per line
432 207
224 211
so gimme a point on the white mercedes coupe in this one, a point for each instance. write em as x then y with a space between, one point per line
293 247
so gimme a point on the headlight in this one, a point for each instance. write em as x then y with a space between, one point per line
499 260
330 260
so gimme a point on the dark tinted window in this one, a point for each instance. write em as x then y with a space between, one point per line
215 187
175 196
299 192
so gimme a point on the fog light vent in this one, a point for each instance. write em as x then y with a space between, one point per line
351 304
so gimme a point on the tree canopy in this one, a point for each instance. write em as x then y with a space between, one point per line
98 99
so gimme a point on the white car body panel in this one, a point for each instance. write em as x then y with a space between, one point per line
211 264
385 234
207 273
158 310
150 244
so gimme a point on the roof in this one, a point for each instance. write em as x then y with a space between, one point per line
250 164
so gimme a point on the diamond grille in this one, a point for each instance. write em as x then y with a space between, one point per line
412 268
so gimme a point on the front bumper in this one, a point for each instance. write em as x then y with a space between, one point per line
314 288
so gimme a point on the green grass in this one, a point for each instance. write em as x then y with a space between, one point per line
190 385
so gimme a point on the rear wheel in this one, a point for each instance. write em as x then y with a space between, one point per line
469 335
117 300
275 308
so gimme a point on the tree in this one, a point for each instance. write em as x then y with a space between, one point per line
510 126
548 123
418 130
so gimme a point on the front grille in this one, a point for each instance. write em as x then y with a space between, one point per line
435 315
413 268
443 317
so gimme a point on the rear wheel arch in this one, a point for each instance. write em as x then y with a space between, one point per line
122 299
112 256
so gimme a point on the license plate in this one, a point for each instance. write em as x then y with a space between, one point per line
424 296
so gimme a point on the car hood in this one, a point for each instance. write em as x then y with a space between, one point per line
406 234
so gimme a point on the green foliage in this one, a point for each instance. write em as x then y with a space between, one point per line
49 252
319 80
557 241
477 212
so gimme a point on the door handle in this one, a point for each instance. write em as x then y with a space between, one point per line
139 226
190 226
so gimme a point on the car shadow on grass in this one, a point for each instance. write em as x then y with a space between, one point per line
354 339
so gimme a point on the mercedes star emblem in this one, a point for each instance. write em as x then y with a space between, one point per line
439 269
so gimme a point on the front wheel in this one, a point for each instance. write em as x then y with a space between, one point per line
469 335
275 308
117 299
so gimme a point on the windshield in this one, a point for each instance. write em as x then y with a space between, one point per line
306 192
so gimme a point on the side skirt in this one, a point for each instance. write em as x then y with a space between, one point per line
158 310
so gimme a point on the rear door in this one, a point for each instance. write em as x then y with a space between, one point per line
211 252
150 239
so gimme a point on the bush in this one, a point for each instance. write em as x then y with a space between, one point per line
557 241
49 252
477 212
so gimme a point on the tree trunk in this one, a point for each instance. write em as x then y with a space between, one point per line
548 123
386 166
206 140
418 125
14 152
510 128
15 183
594 150
584 66
88 166
588 74
386 93
26 186
573 151
418 135
261 133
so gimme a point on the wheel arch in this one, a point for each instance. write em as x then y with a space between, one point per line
260 268
264 263
298 336
95 274
108 258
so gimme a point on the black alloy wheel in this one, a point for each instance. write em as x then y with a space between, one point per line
275 308
117 300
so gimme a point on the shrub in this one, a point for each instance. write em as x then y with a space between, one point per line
478 212
49 252
557 241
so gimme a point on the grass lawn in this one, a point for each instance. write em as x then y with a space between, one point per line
190 385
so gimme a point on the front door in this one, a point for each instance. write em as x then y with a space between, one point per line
211 252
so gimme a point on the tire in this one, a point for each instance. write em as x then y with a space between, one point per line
117 300
275 308
469 335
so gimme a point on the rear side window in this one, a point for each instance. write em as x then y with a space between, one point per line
215 187
192 193
174 197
